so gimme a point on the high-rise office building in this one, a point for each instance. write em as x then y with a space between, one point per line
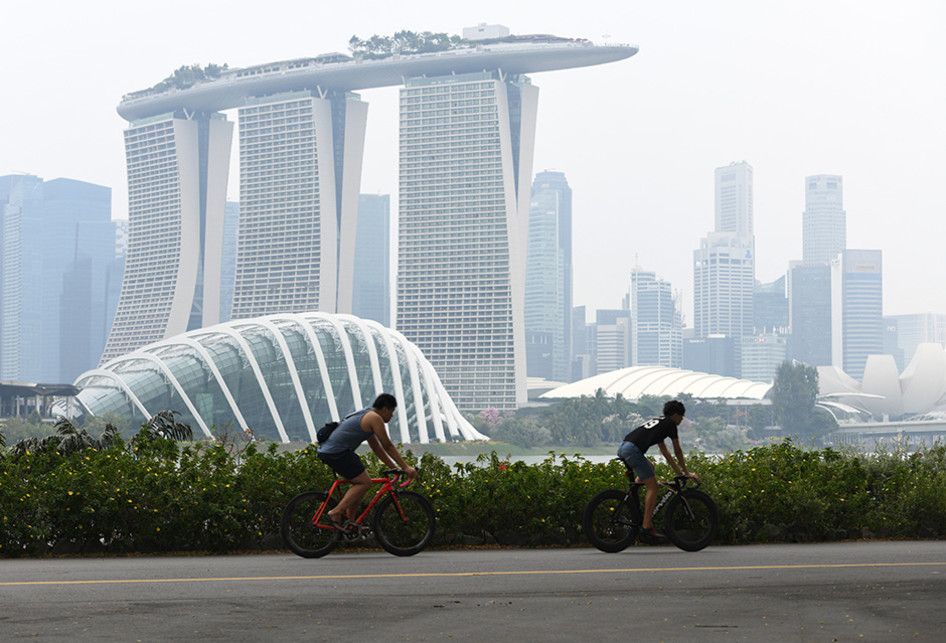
583 345
177 187
857 327
734 199
548 293
656 323
300 175
228 256
809 311
824 230
714 353
465 168
723 285
770 306
612 340
58 240
371 298
761 355
909 331
724 264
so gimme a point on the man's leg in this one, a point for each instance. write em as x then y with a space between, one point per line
650 500
349 503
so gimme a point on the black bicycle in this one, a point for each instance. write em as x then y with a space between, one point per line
613 518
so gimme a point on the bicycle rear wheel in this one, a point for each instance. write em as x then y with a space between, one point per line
298 531
404 523
691 520
608 521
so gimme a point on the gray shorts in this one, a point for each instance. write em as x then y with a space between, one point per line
636 460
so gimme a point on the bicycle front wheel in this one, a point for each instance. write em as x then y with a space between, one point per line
608 521
404 523
691 520
299 532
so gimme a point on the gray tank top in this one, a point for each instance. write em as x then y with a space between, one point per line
348 436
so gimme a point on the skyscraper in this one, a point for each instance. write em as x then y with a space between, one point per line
723 285
656 324
724 265
371 296
734 199
824 231
177 186
612 339
770 306
761 356
58 240
857 328
809 311
583 345
913 330
228 256
300 174
465 165
548 291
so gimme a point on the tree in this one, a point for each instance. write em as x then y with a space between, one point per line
794 394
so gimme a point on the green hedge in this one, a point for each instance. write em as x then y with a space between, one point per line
153 494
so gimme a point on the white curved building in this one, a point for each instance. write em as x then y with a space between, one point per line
636 381
920 389
282 376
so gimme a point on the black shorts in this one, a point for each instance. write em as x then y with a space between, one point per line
346 464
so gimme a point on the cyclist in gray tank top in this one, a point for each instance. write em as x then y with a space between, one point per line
347 436
338 452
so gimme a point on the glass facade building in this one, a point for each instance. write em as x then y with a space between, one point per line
809 310
231 225
549 278
281 376
371 296
57 245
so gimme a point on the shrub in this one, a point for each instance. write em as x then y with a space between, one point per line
154 494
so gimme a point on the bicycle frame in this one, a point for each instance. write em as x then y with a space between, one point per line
673 488
387 487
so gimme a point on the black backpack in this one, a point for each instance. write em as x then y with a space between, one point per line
322 434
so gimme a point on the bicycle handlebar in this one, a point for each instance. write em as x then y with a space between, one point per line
397 473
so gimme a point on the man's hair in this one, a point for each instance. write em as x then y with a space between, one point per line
673 407
385 401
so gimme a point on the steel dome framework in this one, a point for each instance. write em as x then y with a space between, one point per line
637 381
282 376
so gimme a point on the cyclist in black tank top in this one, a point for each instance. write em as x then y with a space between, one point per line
635 445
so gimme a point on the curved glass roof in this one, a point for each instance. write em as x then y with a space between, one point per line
637 381
281 376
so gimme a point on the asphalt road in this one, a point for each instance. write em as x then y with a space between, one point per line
880 591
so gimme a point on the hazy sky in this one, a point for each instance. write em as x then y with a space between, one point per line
795 88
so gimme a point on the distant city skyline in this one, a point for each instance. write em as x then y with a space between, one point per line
809 101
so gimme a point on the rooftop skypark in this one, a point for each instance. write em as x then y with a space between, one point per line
376 61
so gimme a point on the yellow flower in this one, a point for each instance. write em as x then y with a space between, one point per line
70 493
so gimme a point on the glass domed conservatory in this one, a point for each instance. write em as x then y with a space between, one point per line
282 376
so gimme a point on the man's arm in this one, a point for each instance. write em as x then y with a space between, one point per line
679 468
380 452
384 443
677 449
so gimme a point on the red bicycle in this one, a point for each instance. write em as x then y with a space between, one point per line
403 522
